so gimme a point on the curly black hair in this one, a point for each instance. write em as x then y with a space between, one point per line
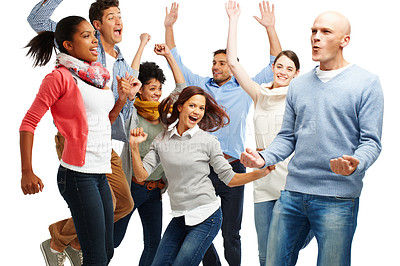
150 70
97 8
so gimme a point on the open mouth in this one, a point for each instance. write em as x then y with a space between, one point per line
281 77
118 32
94 51
216 73
193 119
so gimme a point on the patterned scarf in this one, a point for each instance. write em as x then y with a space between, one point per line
147 109
93 73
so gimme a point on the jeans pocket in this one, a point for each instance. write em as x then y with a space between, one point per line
344 199
62 179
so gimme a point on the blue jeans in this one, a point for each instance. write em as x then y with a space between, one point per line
332 219
262 219
232 211
90 202
149 205
183 245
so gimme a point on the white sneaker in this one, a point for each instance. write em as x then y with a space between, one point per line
51 258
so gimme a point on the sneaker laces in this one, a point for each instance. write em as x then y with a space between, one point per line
61 257
80 254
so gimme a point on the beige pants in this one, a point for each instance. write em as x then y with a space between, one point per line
63 232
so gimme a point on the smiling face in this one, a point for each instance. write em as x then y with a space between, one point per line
220 69
284 71
151 91
110 26
84 44
191 112
330 33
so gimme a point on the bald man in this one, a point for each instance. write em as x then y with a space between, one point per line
333 124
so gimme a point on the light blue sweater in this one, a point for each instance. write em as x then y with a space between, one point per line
323 121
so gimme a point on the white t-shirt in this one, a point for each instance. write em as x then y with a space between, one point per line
110 66
326 76
98 104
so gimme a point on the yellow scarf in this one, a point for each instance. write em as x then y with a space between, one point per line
147 109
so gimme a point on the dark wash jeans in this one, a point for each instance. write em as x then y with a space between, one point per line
89 198
149 205
232 211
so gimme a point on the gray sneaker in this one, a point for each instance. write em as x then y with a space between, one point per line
74 256
51 258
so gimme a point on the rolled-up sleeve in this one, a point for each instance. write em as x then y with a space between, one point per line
39 18
151 161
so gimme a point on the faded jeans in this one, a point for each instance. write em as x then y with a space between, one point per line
332 219
262 220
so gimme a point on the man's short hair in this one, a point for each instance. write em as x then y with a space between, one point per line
97 8
222 51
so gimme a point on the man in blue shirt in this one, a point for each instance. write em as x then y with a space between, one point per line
333 124
106 19
228 93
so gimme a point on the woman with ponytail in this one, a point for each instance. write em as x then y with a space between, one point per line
83 109
185 150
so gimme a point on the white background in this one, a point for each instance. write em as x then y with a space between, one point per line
201 28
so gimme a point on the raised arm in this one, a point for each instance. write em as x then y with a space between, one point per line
170 19
268 21
252 88
39 18
162 49
144 39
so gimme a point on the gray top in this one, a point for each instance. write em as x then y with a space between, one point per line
152 130
186 161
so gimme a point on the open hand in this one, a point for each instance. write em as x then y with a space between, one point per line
267 15
232 9
172 16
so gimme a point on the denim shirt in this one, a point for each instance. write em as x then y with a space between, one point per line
119 69
235 100
39 20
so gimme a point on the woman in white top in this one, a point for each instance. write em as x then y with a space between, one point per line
83 109
185 151
269 107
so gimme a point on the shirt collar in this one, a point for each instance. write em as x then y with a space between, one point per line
174 131
213 83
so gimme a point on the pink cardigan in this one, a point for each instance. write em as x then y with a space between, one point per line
60 93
